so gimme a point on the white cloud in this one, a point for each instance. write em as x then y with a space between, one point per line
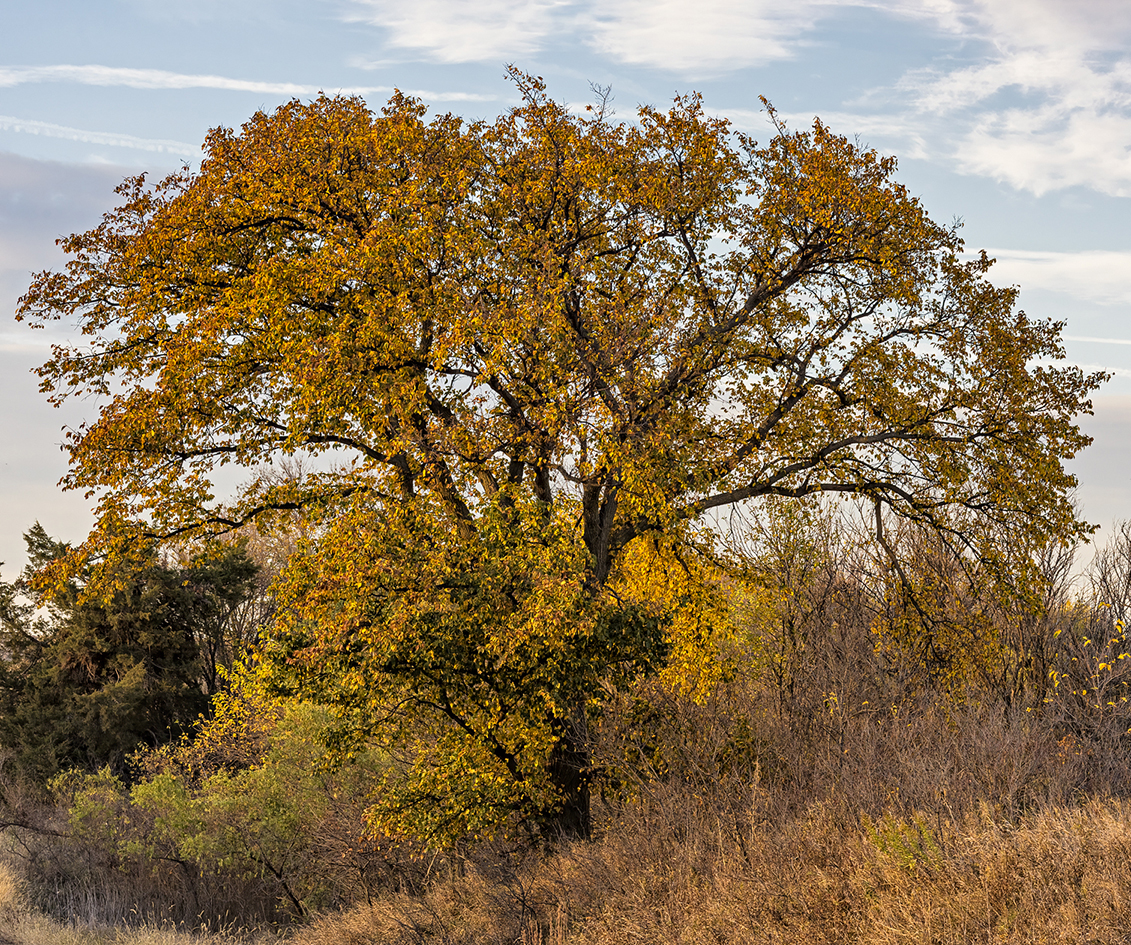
691 37
1053 24
48 130
1051 147
708 36
1102 276
694 36
1065 74
458 31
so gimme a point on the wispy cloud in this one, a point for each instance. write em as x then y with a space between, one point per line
48 130
160 79
692 37
1042 100
1114 371
1045 105
458 31
704 37
1102 276
1049 104
143 79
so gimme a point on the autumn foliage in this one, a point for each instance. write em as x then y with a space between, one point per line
527 360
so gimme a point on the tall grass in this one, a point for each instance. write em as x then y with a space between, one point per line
22 924
937 829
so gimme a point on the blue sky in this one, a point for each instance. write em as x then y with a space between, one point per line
1013 115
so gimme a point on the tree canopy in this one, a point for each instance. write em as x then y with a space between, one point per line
541 338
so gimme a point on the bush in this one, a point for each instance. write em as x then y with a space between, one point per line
239 825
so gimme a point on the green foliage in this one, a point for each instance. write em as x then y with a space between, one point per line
225 823
98 676
254 821
469 658
908 843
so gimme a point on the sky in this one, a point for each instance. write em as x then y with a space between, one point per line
1013 116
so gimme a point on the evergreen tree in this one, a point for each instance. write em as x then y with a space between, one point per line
96 677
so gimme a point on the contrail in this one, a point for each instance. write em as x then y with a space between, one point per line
162 79
48 130
1103 341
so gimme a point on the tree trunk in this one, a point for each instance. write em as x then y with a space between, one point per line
569 773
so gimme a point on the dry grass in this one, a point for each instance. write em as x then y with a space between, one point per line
1062 875
943 829
933 824
20 924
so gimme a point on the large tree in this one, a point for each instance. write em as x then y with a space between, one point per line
537 339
